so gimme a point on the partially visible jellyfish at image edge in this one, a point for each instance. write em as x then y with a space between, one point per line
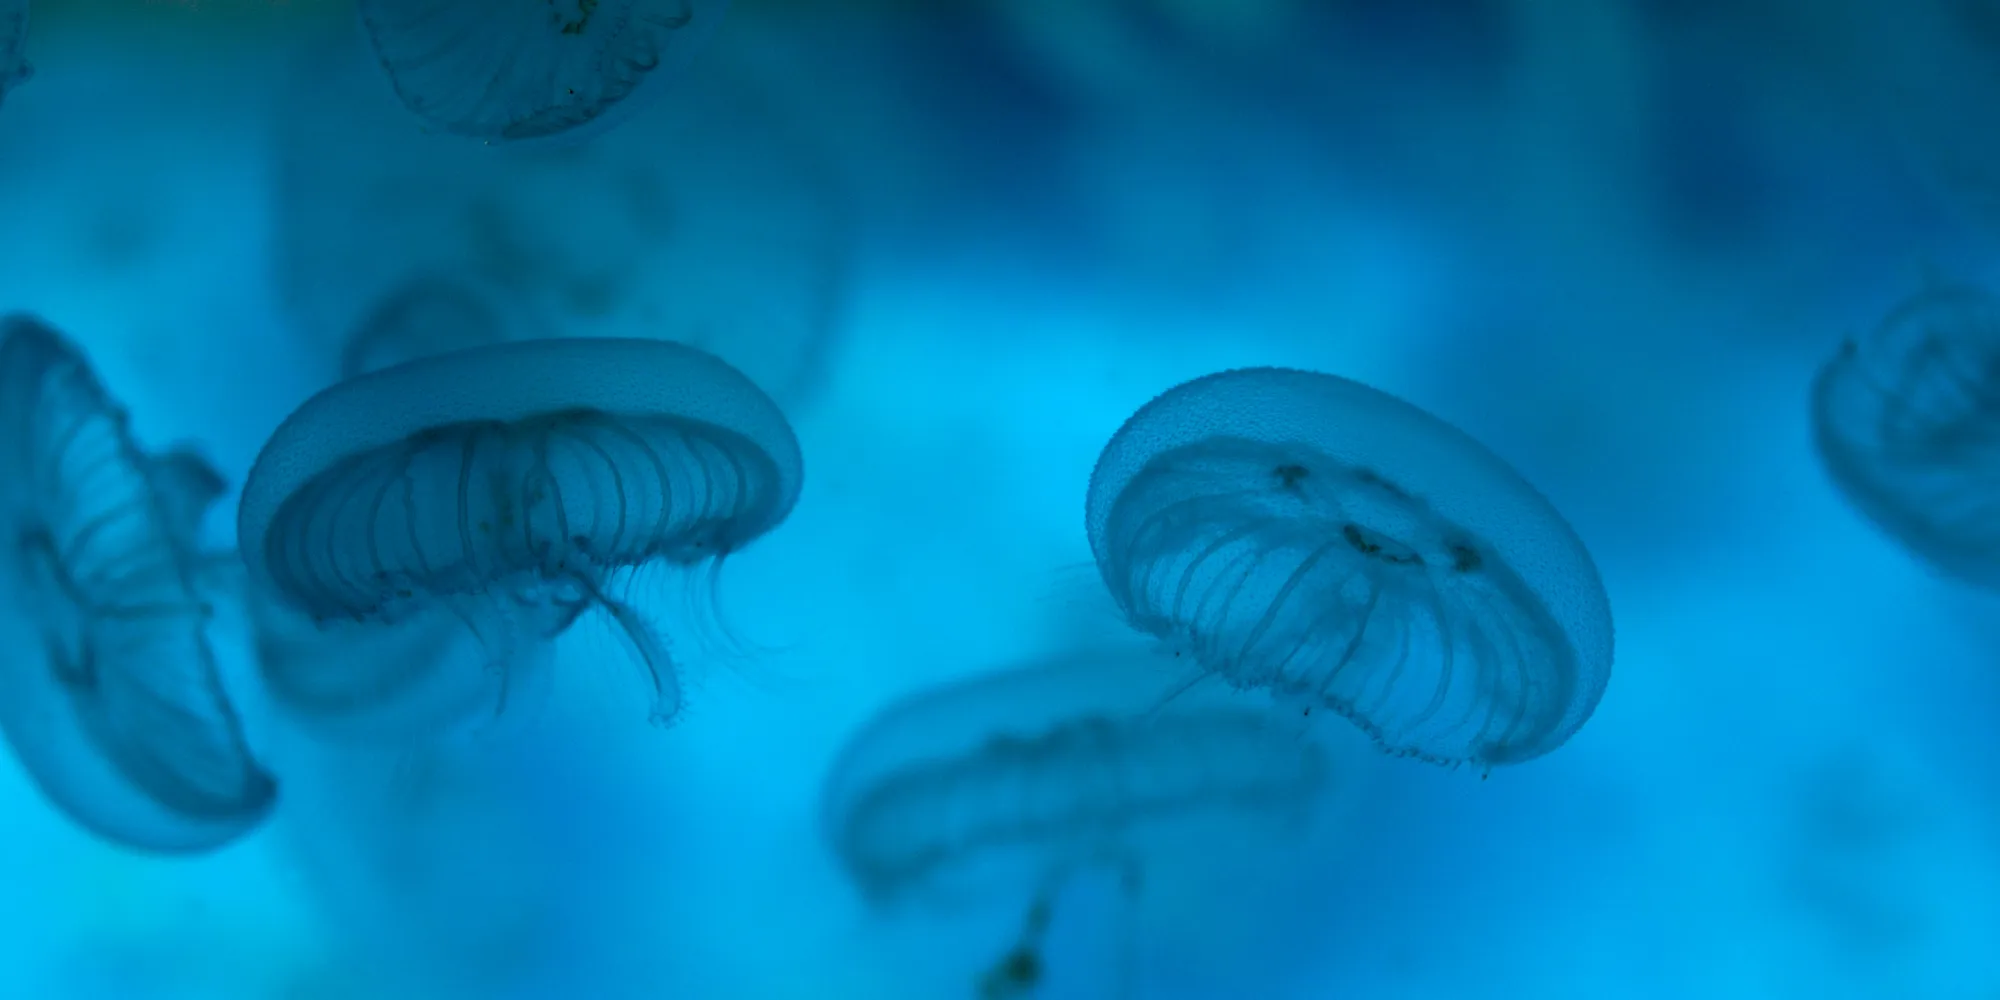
1906 419
1030 777
1343 551
14 69
510 487
524 70
120 716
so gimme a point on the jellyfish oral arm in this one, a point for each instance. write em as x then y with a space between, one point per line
1018 972
647 644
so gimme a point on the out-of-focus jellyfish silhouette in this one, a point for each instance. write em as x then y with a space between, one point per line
14 69
509 486
119 717
521 70
1341 549
1027 777
1907 422
408 686
425 316
187 486
710 220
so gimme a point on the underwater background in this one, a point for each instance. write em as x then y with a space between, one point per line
959 242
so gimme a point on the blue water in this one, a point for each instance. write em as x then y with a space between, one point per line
1612 245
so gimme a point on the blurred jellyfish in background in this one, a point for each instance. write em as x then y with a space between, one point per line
708 220
14 68
1016 783
120 716
1906 418
527 70
511 488
415 683
1313 538
427 315
187 486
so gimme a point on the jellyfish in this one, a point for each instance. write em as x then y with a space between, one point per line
741 251
1034 775
425 315
509 486
14 70
1906 419
524 70
1342 551
120 716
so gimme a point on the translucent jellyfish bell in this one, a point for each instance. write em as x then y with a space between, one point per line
520 70
1311 537
511 483
119 715
14 70
1021 779
1907 423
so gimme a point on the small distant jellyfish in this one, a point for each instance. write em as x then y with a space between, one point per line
120 716
1031 776
14 68
510 486
1339 549
1906 419
523 70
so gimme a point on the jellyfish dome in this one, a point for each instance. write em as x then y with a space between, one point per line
521 70
14 70
1333 546
118 714
514 481
1907 423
